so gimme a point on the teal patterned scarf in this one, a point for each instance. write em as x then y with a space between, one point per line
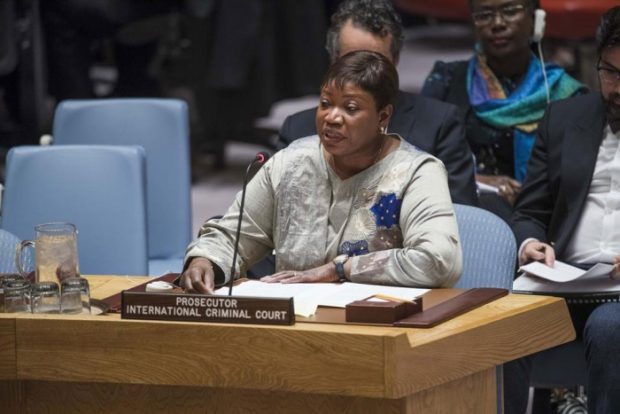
523 108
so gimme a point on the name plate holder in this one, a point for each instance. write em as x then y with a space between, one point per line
189 307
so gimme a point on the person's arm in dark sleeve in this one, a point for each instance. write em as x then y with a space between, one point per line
534 205
438 81
285 135
452 147
453 150
299 125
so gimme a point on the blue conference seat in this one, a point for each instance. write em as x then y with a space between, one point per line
100 189
161 126
489 249
489 257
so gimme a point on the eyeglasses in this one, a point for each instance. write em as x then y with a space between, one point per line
608 75
509 13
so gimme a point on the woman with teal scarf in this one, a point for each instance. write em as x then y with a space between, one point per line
502 94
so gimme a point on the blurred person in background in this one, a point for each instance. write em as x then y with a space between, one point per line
432 126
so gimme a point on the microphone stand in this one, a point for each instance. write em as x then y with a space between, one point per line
260 158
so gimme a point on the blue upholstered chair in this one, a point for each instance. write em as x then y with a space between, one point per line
161 126
489 249
489 257
8 244
100 189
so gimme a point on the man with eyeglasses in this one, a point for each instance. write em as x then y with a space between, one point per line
569 207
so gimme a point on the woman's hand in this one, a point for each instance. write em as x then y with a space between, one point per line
198 276
615 272
322 274
508 188
537 251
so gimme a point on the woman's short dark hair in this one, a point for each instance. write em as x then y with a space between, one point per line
370 71
375 16
608 32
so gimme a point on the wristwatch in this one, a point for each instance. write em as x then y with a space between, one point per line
339 261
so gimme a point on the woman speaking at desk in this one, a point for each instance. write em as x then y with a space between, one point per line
353 203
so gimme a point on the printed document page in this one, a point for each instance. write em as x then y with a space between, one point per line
564 278
562 272
308 296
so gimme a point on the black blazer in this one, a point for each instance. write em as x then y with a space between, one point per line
432 126
560 171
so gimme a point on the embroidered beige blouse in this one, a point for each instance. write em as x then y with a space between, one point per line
395 218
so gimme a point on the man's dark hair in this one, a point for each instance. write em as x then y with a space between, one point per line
608 32
375 16
370 71
533 4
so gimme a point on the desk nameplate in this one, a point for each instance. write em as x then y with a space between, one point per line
189 307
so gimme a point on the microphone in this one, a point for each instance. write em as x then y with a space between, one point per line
260 158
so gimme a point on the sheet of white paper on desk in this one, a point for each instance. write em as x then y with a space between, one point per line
308 296
562 272
350 292
304 294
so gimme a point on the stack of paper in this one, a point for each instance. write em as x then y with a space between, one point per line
308 296
564 278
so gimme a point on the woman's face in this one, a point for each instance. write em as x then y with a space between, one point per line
509 29
348 121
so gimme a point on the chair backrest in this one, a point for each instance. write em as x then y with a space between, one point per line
100 189
161 126
489 258
8 245
489 249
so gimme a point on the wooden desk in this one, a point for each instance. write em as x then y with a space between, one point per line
102 364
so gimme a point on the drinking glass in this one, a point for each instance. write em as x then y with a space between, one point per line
75 296
45 297
5 278
17 296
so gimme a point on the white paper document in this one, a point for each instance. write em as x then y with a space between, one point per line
486 188
308 296
562 272
564 278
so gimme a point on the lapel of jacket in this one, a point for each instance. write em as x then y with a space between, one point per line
579 153
403 117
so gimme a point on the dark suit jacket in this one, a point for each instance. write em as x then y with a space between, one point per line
560 171
432 126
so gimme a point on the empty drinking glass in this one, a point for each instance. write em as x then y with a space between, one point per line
17 296
75 297
45 297
5 278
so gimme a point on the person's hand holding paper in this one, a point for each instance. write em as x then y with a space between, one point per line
615 272
537 251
